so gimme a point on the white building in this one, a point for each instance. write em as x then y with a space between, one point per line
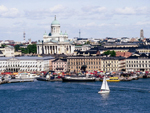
8 51
55 42
25 63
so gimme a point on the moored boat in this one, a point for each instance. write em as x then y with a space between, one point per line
26 76
78 79
112 79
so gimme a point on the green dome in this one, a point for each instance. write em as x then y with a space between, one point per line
65 33
45 33
55 22
61 33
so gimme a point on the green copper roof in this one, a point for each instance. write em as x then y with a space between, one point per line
45 33
61 33
55 22
65 33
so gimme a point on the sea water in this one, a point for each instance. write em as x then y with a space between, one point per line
67 97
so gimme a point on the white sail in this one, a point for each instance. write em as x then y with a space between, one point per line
104 84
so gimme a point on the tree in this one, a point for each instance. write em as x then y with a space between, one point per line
88 42
23 50
29 49
113 53
17 47
107 52
3 45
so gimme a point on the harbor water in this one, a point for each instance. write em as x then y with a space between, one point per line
66 97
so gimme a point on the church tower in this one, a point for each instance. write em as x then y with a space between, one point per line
55 27
141 34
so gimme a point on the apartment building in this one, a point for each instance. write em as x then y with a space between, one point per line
75 63
138 62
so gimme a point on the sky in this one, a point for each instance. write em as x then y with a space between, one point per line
94 18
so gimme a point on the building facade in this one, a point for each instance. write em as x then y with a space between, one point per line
16 64
59 65
138 62
8 51
110 64
75 63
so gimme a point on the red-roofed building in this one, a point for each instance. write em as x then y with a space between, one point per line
123 54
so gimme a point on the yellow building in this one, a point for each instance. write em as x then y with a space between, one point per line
75 63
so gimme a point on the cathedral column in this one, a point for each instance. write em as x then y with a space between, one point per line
37 49
44 50
55 49
50 49
70 49
47 49
40 52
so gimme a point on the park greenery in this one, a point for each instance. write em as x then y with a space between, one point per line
3 45
111 53
29 49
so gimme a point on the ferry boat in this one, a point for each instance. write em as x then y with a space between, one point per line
26 76
113 79
78 79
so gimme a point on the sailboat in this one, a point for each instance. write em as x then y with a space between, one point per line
104 87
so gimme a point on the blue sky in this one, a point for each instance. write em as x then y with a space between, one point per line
95 18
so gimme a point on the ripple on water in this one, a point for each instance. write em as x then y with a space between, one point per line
56 97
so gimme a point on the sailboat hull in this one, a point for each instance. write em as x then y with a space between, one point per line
102 92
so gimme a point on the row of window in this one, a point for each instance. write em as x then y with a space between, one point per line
82 59
60 63
78 63
140 65
89 67
19 62
138 61
60 66
21 66
25 70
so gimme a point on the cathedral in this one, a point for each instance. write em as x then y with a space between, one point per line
55 42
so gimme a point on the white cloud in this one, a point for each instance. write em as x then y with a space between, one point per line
143 23
126 10
57 8
62 11
132 11
8 12
93 9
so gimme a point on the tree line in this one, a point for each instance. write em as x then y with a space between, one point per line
29 49
111 53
